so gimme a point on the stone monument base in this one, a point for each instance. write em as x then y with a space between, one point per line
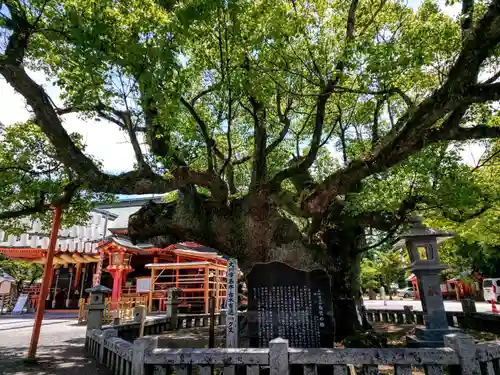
429 338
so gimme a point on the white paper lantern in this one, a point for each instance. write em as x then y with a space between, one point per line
24 239
37 226
34 241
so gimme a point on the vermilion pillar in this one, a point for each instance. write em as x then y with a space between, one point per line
119 275
118 268
44 290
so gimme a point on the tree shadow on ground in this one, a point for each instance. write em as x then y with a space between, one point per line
68 358
28 325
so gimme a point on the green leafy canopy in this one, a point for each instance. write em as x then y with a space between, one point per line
341 111
31 174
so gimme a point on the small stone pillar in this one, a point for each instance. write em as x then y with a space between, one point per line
139 313
222 317
96 306
468 305
172 307
467 319
140 317
421 243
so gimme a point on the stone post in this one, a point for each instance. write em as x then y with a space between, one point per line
222 318
140 317
172 308
96 306
278 357
141 346
106 334
232 304
408 311
465 348
467 319
468 305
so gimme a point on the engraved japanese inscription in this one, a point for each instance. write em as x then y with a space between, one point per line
289 303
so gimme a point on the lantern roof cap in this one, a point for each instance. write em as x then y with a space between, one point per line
98 289
419 229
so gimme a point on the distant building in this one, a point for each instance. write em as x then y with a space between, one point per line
7 282
100 252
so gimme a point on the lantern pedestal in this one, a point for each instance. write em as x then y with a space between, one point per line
436 322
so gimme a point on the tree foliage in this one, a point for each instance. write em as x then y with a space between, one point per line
33 180
22 272
336 112
253 80
384 267
284 125
327 109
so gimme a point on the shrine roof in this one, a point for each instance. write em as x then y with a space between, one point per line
183 264
185 248
82 238
4 276
193 246
125 242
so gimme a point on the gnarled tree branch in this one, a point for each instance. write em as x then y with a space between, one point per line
321 102
134 182
40 205
459 89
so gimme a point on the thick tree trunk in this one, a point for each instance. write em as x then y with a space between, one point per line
252 230
343 265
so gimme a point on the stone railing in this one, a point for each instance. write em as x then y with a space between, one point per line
146 356
155 325
486 322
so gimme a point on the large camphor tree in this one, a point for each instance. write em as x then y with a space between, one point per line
301 131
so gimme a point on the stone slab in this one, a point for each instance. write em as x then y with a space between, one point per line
289 303
413 342
434 334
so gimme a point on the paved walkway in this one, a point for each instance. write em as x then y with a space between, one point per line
60 350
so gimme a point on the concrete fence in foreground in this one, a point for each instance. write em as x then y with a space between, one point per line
146 356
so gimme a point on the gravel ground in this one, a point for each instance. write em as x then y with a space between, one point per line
60 349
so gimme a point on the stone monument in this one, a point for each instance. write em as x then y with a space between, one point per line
291 304
421 243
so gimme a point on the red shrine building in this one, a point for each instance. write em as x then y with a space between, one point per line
101 253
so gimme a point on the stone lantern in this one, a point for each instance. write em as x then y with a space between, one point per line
422 243
96 306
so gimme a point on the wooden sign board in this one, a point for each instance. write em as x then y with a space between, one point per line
143 284
20 304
